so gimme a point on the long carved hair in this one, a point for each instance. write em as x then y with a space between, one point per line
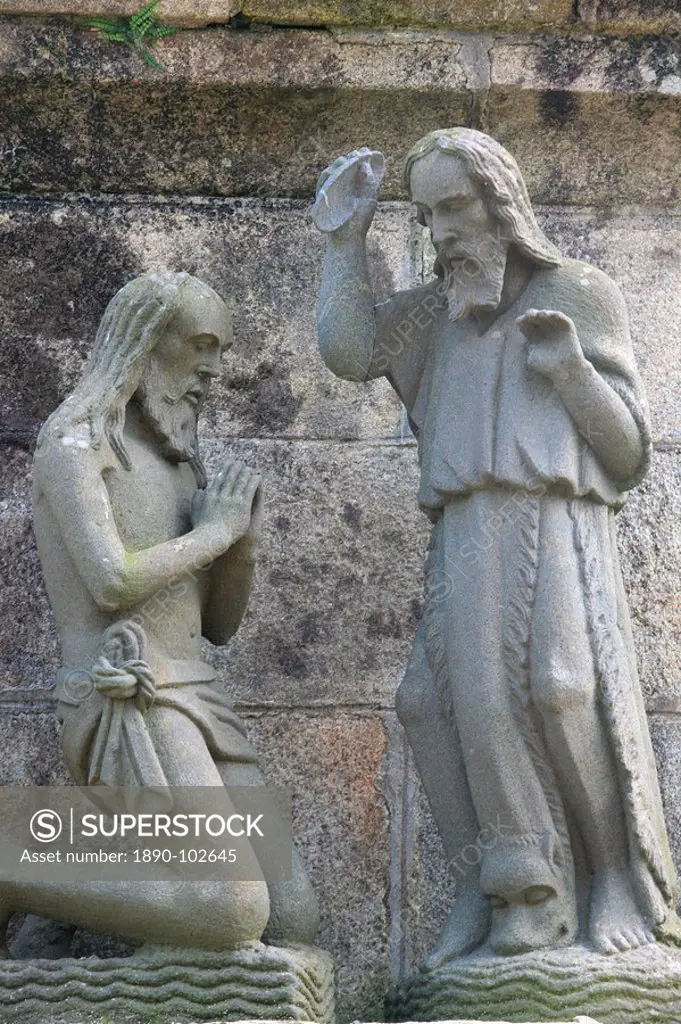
494 168
129 330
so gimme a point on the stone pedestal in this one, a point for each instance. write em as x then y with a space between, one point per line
182 986
577 1020
628 988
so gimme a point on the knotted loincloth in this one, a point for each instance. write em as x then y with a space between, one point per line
104 736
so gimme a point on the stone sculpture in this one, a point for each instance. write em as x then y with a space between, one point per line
521 700
141 557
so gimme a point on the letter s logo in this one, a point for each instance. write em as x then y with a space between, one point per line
46 826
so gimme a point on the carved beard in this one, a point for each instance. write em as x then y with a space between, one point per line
174 423
474 276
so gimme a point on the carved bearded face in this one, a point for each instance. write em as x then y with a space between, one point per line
467 237
175 383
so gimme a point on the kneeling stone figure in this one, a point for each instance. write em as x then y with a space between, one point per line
126 523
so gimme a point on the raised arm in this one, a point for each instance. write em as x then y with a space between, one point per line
117 578
346 325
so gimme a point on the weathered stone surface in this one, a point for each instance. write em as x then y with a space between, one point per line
28 651
274 108
468 14
338 588
260 982
584 64
472 13
431 882
624 988
63 261
29 738
665 731
650 546
641 251
341 821
592 121
174 12
634 17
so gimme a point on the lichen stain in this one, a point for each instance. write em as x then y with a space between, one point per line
557 107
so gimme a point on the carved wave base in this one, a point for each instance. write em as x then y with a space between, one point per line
626 988
258 982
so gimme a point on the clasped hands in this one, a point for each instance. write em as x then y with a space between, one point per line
230 507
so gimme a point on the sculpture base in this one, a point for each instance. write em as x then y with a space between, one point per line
625 988
155 987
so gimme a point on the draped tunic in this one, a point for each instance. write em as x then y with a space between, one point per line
485 422
480 416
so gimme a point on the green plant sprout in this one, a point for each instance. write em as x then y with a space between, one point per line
134 31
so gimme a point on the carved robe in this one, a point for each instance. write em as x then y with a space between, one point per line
525 607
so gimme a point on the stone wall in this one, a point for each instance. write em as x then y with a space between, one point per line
109 168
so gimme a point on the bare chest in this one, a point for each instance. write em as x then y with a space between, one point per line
151 502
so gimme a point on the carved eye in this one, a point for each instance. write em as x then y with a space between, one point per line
423 216
497 902
538 894
454 205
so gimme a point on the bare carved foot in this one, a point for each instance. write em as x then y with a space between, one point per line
615 922
466 929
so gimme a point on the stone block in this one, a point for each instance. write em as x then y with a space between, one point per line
531 14
665 732
63 261
233 113
274 382
630 17
468 14
261 982
625 988
334 762
30 744
596 121
650 549
188 13
338 588
431 886
29 655
593 120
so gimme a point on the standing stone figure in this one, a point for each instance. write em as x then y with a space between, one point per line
521 700
142 557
